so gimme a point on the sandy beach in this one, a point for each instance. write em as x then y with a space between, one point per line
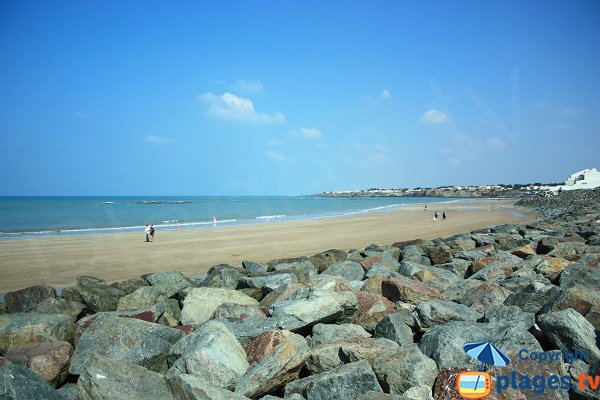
57 261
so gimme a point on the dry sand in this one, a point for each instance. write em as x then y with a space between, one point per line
57 261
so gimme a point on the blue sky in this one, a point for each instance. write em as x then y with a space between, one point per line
294 97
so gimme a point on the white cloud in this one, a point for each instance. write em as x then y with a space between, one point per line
274 143
158 140
81 115
309 133
277 156
231 107
433 117
495 144
249 86
386 94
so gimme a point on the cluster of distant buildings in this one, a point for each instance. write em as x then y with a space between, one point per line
585 179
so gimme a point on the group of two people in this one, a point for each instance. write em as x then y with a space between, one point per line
149 233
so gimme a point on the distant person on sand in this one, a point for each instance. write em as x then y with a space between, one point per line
147 230
152 233
444 216
214 221
425 207
435 216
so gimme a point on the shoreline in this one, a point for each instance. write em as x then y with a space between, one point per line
57 261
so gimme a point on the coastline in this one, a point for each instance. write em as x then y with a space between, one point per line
57 261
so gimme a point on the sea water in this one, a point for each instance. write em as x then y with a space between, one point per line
22 217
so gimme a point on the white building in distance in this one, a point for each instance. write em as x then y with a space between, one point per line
586 179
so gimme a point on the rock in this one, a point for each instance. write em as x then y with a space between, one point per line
85 280
303 270
485 296
524 251
394 327
69 392
532 300
269 282
325 357
254 267
3 309
325 259
59 306
247 329
212 353
416 254
382 270
18 382
143 298
4 361
512 315
325 333
373 284
461 243
408 290
190 387
130 285
106 378
348 270
435 312
171 313
495 272
49 360
458 290
569 331
552 267
125 340
370 395
439 254
367 349
444 343
21 329
236 311
458 267
309 311
264 344
171 281
421 392
225 278
406 367
276 365
372 308
437 278
346 382
24 299
593 316
100 296
201 303
583 273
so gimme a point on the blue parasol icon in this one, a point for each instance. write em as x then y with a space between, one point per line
486 353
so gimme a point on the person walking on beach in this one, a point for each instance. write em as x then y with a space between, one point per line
435 216
152 233
425 207
147 231
444 216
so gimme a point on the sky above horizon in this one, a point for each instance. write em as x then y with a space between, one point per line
294 97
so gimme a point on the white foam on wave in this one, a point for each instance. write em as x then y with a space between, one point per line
271 216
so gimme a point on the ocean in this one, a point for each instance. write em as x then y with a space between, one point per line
25 217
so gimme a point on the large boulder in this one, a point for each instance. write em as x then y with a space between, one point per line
190 387
126 340
435 312
59 306
277 364
201 303
327 333
349 270
569 331
444 343
323 260
408 290
143 298
509 315
105 378
404 368
485 296
310 311
99 296
394 327
18 382
304 270
21 329
224 278
49 360
247 329
171 281
346 382
372 308
212 353
130 285
24 299
268 282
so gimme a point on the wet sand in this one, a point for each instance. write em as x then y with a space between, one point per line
57 261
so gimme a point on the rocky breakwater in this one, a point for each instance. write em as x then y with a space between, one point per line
383 322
